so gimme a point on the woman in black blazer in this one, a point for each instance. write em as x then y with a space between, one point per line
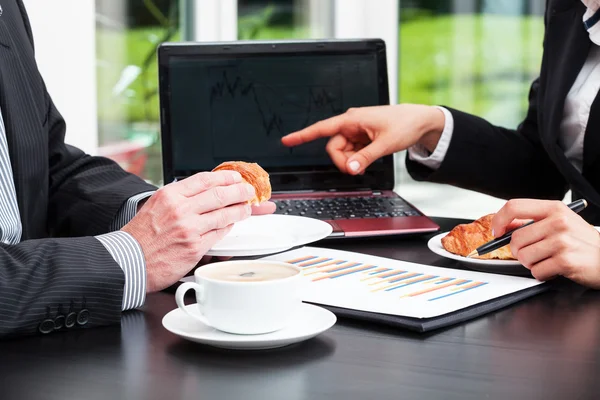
555 148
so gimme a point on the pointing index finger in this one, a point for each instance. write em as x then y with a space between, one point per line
325 128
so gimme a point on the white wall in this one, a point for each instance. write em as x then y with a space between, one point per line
370 19
215 20
64 35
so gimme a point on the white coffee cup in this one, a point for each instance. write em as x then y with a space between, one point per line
245 297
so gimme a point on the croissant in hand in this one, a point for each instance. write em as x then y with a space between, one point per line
465 238
253 174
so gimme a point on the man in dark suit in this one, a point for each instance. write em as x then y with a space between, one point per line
81 240
556 148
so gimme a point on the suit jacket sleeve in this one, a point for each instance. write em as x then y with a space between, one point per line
497 161
48 279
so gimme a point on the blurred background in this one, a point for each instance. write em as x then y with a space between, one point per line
479 56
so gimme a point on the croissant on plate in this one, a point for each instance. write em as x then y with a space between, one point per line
465 238
253 174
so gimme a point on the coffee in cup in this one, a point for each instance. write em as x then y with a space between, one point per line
245 297
247 272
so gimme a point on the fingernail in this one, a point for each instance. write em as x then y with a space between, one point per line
250 190
354 165
248 209
237 177
493 234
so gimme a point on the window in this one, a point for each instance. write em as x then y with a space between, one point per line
127 35
478 56
284 19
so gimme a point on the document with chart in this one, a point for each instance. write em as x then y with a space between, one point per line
375 284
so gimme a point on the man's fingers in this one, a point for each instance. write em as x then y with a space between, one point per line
203 181
220 197
325 128
524 209
265 208
223 217
213 237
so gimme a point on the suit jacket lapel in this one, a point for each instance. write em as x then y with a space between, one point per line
22 109
6 58
567 47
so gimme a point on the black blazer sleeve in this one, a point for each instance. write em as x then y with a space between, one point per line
497 161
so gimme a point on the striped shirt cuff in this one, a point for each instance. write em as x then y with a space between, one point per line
128 210
129 255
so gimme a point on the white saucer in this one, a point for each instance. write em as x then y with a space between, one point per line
269 234
494 266
310 321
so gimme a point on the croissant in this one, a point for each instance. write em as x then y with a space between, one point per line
253 174
465 238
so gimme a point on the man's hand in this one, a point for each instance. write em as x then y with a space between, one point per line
267 207
183 220
360 136
559 243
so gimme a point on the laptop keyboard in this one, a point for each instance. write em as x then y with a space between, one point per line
347 208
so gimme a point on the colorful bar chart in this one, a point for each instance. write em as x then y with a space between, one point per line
383 279
356 281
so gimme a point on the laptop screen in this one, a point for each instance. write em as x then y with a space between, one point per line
235 102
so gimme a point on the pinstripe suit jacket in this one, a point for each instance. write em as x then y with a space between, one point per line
64 197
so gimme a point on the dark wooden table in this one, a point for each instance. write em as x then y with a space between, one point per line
547 347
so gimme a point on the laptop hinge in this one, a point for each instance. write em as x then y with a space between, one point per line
349 190
332 191
294 191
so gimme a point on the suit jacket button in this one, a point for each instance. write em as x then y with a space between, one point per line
46 326
83 317
59 322
71 319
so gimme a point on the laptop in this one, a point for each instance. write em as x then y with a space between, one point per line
233 101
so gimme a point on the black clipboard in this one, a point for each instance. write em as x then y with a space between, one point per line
442 321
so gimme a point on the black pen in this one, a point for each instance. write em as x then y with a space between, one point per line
576 206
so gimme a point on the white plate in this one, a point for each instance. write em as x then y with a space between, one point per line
494 266
310 322
269 234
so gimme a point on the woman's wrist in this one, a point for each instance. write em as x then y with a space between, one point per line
432 129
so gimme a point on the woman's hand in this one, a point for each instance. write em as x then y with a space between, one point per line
362 135
559 243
